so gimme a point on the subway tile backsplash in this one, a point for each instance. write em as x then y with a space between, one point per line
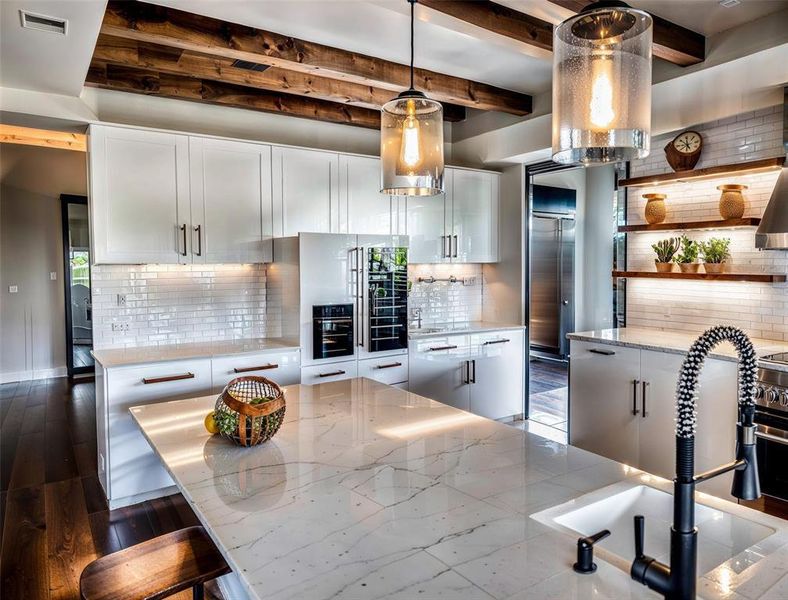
444 302
170 304
761 309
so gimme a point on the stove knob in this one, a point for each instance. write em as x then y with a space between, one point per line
772 396
759 392
784 398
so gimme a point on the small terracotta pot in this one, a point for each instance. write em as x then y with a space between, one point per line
731 201
663 267
655 208
689 267
714 267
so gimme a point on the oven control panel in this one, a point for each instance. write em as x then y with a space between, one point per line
772 389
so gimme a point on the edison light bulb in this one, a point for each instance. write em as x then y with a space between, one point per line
601 105
411 153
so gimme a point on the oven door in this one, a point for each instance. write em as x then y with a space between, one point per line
772 444
332 337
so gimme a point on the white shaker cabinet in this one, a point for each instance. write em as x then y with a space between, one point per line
305 191
474 216
362 208
139 196
231 211
497 374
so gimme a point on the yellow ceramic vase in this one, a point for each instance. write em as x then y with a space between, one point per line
655 208
731 201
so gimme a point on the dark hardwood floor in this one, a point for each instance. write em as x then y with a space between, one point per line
548 393
54 515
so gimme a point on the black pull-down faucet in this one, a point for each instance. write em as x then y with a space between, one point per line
677 581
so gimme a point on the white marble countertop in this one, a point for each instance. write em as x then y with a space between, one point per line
121 357
439 329
673 342
368 491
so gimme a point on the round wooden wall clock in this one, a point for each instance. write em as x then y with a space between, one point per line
684 151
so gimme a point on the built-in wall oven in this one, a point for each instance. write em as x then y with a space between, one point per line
771 418
332 331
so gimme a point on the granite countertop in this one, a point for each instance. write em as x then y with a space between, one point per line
368 491
122 357
439 329
673 342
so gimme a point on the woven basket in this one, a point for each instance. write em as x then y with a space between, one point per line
255 423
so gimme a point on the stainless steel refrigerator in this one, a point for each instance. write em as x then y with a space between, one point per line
552 312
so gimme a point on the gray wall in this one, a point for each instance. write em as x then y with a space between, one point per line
32 321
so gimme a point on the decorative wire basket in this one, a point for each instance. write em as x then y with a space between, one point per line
250 410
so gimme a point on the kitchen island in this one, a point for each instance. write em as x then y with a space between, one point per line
368 491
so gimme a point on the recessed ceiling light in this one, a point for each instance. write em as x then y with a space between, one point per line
43 22
729 3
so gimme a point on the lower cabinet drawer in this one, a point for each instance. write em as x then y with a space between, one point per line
392 369
134 468
331 372
283 368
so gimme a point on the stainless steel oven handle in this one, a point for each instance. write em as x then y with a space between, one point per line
772 438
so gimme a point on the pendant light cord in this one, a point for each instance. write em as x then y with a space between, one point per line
412 18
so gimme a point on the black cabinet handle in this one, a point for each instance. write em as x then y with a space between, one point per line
473 377
456 247
260 368
491 342
149 380
331 374
645 385
439 348
390 366
183 230
602 352
198 229
635 383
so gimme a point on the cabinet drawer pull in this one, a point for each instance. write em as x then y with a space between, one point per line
645 385
183 230
473 377
635 383
456 247
198 229
260 368
149 380
602 352
390 366
439 348
331 374
489 343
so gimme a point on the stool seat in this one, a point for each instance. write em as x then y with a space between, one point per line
155 569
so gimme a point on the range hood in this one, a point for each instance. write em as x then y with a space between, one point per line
772 233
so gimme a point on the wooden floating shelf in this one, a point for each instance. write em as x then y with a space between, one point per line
757 277
753 166
717 224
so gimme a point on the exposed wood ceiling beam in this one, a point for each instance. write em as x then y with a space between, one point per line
175 61
498 19
187 31
672 42
153 83
11 134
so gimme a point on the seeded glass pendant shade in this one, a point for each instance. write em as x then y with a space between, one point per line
411 141
602 85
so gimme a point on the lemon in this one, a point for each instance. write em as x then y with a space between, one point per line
210 424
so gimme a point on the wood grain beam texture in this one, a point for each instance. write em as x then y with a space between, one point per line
175 61
11 134
204 35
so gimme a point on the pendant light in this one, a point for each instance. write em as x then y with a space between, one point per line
602 85
411 140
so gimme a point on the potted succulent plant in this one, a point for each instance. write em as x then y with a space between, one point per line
665 249
715 253
687 257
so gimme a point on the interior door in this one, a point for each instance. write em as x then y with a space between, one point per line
545 314
306 191
362 208
231 201
428 221
474 220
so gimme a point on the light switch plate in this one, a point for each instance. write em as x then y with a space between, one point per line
12 289
53 275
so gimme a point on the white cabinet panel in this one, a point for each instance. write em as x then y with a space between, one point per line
139 196
134 468
602 399
428 218
305 191
362 208
438 369
390 369
231 201
331 372
474 224
283 368
497 372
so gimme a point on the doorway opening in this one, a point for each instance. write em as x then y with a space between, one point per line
79 311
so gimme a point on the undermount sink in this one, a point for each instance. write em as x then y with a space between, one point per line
721 534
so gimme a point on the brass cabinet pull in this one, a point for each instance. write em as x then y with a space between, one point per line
331 374
260 368
149 380
390 366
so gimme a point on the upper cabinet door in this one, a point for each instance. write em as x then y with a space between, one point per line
231 201
306 191
362 208
139 196
427 220
474 222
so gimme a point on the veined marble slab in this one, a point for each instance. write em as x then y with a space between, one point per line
140 355
673 342
368 491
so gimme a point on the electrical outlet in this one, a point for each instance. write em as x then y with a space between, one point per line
121 299
120 327
52 275
13 289
469 281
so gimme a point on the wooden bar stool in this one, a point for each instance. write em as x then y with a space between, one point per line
155 569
